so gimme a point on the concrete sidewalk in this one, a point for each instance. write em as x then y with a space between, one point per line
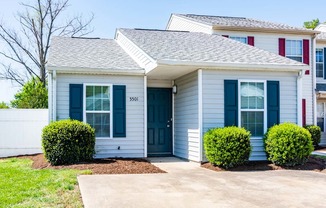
188 185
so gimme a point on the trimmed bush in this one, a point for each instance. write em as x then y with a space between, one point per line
315 132
68 142
288 144
227 147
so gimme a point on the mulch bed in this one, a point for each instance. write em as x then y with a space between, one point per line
101 166
314 164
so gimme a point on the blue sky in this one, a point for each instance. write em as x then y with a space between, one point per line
110 15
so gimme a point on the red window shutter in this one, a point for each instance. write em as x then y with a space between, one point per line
251 40
281 46
226 36
306 51
304 119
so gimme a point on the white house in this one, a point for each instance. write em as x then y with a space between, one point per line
156 92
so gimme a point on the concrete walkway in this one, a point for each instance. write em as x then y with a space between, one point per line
188 185
320 152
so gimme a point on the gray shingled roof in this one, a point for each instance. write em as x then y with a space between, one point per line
89 53
200 47
239 22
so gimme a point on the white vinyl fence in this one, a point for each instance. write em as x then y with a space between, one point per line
20 131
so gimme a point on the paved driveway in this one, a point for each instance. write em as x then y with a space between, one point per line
188 185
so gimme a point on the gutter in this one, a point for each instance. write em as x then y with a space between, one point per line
84 70
240 66
267 30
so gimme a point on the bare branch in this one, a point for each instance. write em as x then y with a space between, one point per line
29 46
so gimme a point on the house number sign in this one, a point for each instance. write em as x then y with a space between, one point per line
133 99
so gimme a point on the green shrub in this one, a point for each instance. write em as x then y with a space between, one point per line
315 132
288 144
68 142
227 147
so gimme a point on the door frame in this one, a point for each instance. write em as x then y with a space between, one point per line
146 113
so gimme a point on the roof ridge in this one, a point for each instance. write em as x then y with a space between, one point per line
159 30
203 15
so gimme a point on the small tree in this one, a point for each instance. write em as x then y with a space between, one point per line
3 105
311 24
33 95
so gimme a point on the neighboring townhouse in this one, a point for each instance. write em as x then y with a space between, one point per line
292 42
321 79
156 92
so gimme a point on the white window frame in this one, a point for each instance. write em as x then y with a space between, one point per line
297 56
253 110
237 37
320 62
111 106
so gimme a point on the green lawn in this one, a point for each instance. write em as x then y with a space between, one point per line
22 186
320 156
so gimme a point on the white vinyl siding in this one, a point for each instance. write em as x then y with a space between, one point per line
213 99
133 144
186 132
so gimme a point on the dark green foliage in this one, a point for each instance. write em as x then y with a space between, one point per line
288 144
227 147
3 105
33 95
315 132
68 142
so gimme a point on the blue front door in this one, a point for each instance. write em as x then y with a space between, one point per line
159 122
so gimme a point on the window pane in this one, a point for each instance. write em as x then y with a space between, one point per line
98 91
98 104
253 122
252 95
295 58
240 39
319 70
100 122
89 91
319 55
89 104
106 93
106 104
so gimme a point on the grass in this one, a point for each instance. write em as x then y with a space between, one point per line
22 186
320 156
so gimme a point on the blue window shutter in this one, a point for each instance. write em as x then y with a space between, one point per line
230 102
273 103
324 63
76 101
119 111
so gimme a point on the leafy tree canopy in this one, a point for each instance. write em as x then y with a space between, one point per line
34 94
3 105
311 24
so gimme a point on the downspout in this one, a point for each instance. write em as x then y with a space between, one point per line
50 98
145 116
313 62
200 113
299 98
54 93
